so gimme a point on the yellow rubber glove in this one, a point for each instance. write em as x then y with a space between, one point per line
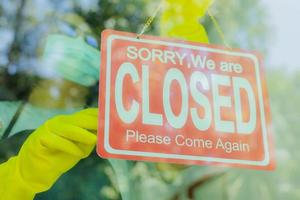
181 19
50 151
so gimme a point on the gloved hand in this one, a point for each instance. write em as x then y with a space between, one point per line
50 151
181 19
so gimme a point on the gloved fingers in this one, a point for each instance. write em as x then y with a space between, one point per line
82 120
87 149
55 142
89 111
72 132
85 121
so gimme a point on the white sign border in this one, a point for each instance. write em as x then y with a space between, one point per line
111 150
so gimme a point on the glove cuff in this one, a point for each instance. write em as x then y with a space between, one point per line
12 185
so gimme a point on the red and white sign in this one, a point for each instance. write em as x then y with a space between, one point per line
174 101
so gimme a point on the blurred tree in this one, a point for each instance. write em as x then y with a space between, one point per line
243 23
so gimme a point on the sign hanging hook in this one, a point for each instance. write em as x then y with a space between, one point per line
150 20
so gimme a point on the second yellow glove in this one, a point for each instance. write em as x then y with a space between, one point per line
181 19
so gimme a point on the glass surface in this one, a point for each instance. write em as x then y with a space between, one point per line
49 65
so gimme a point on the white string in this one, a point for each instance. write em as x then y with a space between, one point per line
150 20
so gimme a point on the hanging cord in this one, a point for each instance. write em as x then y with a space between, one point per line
150 20
218 28
213 19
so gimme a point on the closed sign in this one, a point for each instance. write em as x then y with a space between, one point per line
181 102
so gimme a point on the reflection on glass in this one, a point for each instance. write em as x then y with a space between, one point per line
33 89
